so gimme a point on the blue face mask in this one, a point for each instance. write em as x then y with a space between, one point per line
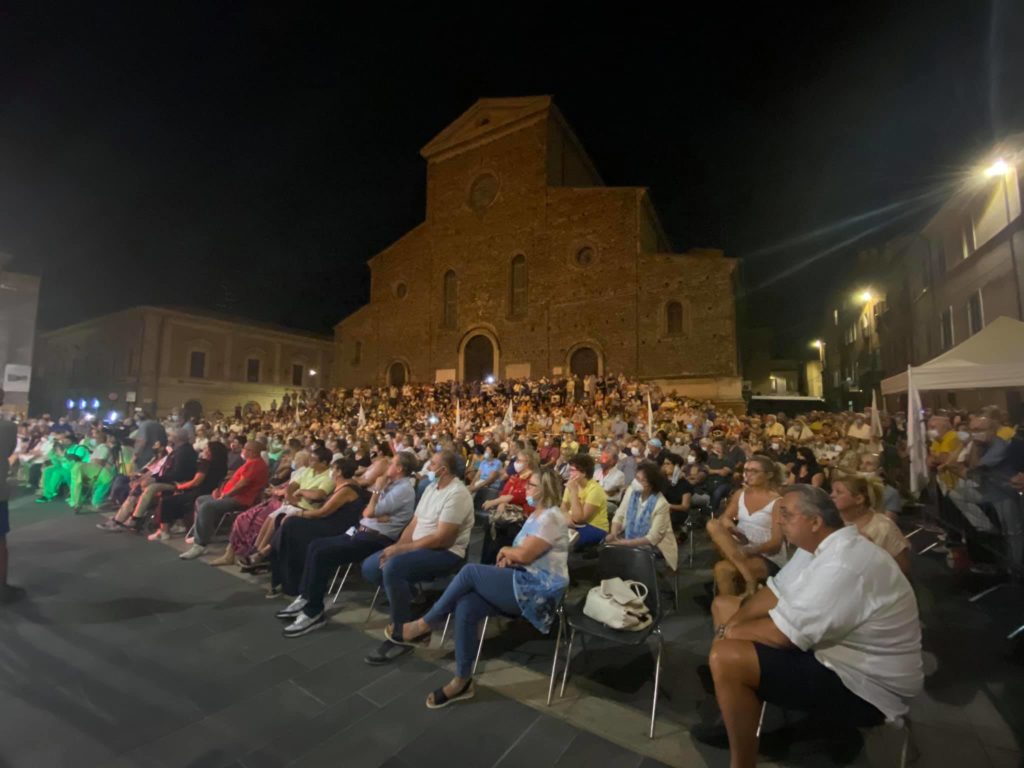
530 502
431 476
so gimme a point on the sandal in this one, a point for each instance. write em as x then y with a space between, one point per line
423 640
438 699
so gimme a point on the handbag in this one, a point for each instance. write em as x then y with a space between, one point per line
505 518
619 604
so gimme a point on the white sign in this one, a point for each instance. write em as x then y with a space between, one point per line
17 378
130 397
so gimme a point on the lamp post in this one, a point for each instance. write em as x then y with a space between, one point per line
1001 169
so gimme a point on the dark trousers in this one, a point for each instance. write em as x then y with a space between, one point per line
290 545
325 556
400 572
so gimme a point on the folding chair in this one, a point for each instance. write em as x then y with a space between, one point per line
629 563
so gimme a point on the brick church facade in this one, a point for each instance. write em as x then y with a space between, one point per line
527 265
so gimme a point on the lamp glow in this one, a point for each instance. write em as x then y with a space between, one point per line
70 404
489 380
866 296
312 372
82 404
999 168
95 403
816 343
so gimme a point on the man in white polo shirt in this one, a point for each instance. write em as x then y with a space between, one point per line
432 545
836 631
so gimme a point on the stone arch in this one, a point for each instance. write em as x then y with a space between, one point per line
585 358
397 373
475 341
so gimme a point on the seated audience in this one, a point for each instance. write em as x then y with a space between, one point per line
211 470
432 545
643 519
529 580
513 496
857 498
584 503
836 632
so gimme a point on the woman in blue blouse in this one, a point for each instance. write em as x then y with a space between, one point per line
529 580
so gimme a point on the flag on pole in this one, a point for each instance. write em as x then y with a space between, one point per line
457 419
509 418
917 440
650 417
362 416
876 419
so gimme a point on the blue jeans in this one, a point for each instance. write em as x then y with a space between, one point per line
402 571
590 536
476 592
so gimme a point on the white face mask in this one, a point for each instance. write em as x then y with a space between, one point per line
691 459
775 446
636 485
520 466
933 434
964 436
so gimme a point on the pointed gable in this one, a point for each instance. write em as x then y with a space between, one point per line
486 120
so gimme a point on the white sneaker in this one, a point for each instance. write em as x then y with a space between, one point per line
304 624
193 553
178 529
293 608
159 535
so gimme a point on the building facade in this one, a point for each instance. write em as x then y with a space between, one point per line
19 302
163 359
526 265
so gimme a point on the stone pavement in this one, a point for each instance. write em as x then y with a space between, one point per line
122 655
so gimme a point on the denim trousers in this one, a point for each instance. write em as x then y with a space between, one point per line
400 572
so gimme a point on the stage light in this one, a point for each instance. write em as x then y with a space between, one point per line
112 417
82 404
489 380
95 403
70 404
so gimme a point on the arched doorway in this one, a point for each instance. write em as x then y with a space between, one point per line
192 411
398 374
478 358
584 362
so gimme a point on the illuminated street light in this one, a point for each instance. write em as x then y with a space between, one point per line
866 296
999 168
312 372
489 380
816 343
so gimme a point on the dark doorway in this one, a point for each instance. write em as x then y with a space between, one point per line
396 375
477 359
583 362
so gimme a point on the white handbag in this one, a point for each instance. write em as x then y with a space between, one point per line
619 604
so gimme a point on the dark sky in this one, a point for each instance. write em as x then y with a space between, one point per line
252 160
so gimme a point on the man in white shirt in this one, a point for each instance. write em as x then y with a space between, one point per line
8 440
837 633
611 478
432 545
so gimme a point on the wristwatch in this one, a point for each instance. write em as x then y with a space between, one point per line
720 632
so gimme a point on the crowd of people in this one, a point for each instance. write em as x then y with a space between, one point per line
813 607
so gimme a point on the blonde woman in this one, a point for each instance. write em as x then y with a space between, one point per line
857 498
749 534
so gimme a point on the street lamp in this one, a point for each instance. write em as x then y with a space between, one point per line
1002 170
866 296
312 372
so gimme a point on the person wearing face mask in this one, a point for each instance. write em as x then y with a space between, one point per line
432 545
489 478
498 533
611 478
943 451
871 469
627 463
644 519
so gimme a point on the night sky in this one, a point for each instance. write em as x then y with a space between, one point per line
251 161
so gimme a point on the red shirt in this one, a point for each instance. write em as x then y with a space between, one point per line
256 474
517 488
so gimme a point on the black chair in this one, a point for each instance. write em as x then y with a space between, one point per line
630 564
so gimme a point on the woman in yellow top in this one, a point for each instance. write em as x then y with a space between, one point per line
584 503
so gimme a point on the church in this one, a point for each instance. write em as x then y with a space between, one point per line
527 265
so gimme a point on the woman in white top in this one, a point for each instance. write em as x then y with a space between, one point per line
857 498
749 534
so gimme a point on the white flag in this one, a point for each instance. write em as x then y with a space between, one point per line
509 418
650 418
917 440
876 419
362 416
457 419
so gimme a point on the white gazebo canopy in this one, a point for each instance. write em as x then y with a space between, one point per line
993 357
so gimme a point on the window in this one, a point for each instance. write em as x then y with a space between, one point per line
674 318
517 287
357 353
975 314
401 290
451 300
585 256
946 330
297 370
252 370
197 364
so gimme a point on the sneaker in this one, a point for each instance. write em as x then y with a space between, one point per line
178 529
304 624
193 553
42 500
386 653
293 609
111 525
160 535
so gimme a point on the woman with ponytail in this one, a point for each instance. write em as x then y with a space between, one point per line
857 498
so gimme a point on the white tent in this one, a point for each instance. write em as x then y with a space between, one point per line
991 358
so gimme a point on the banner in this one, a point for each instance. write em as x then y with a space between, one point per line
17 378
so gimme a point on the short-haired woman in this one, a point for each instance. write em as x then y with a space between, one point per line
643 518
857 500
749 534
584 502
529 580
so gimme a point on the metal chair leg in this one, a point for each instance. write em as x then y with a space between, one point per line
372 604
760 720
337 573
657 680
444 632
905 747
480 646
554 659
1015 632
343 580
568 661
